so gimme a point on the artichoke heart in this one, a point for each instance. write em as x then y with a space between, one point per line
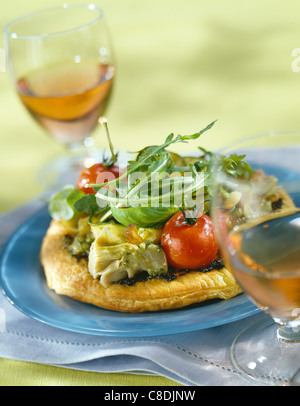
117 232
112 258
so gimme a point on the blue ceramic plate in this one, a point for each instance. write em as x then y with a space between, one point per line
23 282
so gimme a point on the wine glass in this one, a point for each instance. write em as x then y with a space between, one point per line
62 64
257 219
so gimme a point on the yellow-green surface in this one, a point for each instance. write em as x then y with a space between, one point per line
17 373
180 64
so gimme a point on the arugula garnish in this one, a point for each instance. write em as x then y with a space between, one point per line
153 204
235 166
152 159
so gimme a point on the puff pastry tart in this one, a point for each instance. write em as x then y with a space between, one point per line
121 257
70 276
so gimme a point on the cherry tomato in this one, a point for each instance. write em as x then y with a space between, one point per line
90 175
189 246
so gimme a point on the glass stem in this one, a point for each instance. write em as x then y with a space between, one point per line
80 145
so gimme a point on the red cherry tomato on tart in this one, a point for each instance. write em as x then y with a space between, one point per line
189 246
89 176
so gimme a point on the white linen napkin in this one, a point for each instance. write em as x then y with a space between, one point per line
196 358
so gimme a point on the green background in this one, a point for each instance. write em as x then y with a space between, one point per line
180 65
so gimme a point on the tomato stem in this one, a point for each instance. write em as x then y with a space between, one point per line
190 216
103 121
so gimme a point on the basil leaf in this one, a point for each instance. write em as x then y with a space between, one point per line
143 216
88 204
61 205
73 197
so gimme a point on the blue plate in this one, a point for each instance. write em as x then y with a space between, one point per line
23 282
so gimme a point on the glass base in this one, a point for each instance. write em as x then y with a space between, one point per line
65 170
261 354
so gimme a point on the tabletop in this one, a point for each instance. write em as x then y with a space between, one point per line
179 67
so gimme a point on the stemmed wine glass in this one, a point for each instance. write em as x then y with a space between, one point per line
257 219
61 62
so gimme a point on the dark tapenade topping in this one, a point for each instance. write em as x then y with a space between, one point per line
277 205
215 264
168 277
171 274
139 277
67 240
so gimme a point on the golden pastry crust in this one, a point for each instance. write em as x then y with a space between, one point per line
67 275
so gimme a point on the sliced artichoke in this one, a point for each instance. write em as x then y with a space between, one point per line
117 232
113 258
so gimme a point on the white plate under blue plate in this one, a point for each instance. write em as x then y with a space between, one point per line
23 282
